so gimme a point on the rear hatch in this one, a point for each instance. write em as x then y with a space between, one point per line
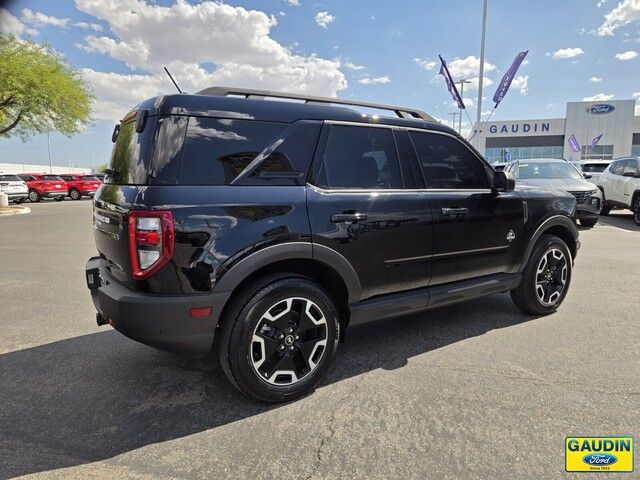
89 183
12 184
53 183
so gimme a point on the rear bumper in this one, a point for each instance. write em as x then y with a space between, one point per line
16 195
160 321
53 193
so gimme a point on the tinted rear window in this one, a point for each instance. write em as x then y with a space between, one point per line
594 167
54 178
89 177
10 178
216 150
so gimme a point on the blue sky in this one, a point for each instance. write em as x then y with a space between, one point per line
374 50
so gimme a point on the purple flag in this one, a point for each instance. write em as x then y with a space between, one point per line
444 71
595 141
505 83
573 143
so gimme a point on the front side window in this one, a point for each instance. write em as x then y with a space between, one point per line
617 167
447 164
630 167
216 150
360 157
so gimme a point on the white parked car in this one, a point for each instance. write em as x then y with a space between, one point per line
620 185
592 169
14 187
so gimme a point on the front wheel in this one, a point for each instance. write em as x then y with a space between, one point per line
636 212
75 194
589 223
546 277
279 338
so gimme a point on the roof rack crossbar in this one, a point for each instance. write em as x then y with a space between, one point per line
402 112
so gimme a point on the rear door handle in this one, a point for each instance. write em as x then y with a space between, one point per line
454 211
348 217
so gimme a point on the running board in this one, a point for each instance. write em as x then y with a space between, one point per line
419 300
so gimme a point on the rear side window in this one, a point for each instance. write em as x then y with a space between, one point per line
359 157
448 164
132 152
617 167
216 150
10 178
630 167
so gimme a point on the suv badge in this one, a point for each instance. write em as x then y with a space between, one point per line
511 236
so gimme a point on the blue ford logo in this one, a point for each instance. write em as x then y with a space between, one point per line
602 108
599 459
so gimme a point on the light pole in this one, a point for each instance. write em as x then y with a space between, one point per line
49 145
453 123
482 42
461 82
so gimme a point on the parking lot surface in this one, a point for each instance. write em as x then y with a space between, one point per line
477 390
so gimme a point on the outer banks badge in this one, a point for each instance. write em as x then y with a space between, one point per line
598 454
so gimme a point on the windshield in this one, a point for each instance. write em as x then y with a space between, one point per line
533 170
54 178
10 178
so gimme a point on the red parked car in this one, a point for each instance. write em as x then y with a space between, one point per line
43 185
80 185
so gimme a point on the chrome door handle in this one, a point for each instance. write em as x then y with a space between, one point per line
348 217
454 211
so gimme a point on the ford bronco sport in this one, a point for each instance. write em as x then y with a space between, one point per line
265 228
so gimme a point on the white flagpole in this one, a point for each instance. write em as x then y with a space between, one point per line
482 42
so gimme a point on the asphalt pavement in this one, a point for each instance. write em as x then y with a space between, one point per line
476 390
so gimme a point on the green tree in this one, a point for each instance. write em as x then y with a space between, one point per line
39 91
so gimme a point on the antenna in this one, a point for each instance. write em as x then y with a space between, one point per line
174 82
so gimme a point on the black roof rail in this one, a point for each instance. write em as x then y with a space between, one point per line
402 112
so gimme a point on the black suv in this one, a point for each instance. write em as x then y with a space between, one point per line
265 224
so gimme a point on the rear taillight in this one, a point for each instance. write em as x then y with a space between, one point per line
151 241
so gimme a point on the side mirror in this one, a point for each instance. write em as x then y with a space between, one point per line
587 175
637 174
503 182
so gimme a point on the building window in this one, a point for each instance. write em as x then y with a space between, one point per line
505 154
635 150
599 152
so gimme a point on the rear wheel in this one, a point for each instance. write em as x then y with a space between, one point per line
34 196
606 208
546 277
75 194
636 211
279 338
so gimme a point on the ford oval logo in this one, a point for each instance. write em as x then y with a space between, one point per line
599 459
602 108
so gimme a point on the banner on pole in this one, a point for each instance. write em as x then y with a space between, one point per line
595 141
505 83
444 71
573 143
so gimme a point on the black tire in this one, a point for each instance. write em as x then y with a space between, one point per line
75 194
589 223
59 199
527 295
34 196
249 340
636 211
19 201
605 207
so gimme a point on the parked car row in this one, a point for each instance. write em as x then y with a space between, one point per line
36 186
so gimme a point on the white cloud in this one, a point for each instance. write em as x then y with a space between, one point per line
551 105
10 25
245 55
467 67
294 3
89 26
324 19
600 97
636 95
626 12
628 55
475 83
521 83
353 66
637 111
425 63
563 53
374 80
38 19
595 79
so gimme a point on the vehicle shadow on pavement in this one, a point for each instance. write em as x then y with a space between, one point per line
93 397
622 220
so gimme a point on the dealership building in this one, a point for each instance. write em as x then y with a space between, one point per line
589 131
